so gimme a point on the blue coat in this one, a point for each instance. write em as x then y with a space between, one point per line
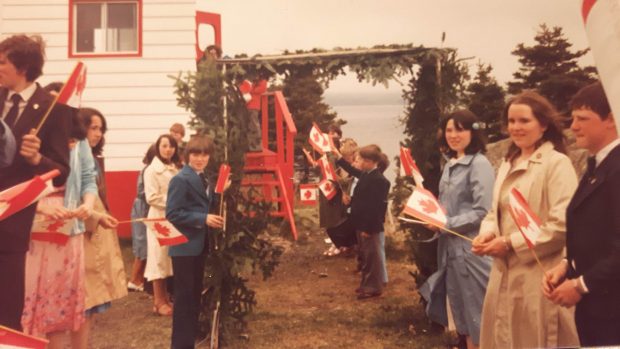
466 192
187 207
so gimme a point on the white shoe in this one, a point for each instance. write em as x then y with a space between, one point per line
133 287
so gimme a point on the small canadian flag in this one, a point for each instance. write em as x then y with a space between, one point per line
328 189
423 205
308 194
20 196
71 92
222 178
408 167
11 339
326 168
167 234
56 230
526 220
319 140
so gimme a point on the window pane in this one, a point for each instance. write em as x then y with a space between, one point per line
122 31
88 20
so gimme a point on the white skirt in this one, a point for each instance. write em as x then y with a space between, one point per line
158 263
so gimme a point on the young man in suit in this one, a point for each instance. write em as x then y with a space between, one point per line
187 209
589 277
22 106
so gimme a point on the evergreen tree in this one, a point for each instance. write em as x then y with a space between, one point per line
304 96
485 98
551 67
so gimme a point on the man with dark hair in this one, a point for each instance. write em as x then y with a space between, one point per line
22 106
589 276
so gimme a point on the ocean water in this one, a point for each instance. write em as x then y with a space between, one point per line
374 124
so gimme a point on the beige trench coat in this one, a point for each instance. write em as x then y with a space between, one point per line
105 272
515 313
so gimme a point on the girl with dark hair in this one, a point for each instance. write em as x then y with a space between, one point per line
55 269
368 208
465 191
515 312
105 272
157 176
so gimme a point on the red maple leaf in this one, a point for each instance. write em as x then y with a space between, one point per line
316 137
308 194
54 226
328 186
162 230
428 206
325 143
521 218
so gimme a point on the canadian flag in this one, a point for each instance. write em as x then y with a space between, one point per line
55 230
527 221
319 140
423 205
308 194
326 168
20 196
10 339
222 178
602 22
71 92
328 189
408 167
167 234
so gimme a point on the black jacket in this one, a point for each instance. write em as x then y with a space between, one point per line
593 238
369 201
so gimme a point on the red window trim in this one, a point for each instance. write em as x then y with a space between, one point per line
72 54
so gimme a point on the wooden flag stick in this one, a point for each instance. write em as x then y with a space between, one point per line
47 113
436 225
215 327
133 220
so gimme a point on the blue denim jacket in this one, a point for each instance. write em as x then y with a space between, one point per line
81 180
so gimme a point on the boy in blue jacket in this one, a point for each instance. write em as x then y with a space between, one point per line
187 207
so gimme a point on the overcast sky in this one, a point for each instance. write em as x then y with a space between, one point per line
485 29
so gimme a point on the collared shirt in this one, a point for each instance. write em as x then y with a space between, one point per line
26 94
602 154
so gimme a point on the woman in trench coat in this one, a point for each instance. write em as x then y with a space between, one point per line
515 313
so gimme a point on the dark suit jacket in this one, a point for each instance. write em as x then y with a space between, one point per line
187 207
54 135
369 201
593 238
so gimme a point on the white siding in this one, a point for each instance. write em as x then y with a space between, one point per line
136 93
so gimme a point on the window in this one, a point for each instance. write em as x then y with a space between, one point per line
105 28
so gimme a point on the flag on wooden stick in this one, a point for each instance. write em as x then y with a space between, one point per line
71 92
408 167
423 205
525 219
602 23
11 339
51 230
308 194
167 234
328 189
319 140
222 178
20 196
327 170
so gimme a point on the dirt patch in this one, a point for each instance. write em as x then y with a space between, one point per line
309 303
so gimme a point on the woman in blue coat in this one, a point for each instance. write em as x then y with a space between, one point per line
465 190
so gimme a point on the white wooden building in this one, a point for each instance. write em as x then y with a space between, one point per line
131 48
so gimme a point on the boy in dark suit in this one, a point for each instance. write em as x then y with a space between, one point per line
589 277
187 208
368 207
22 106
